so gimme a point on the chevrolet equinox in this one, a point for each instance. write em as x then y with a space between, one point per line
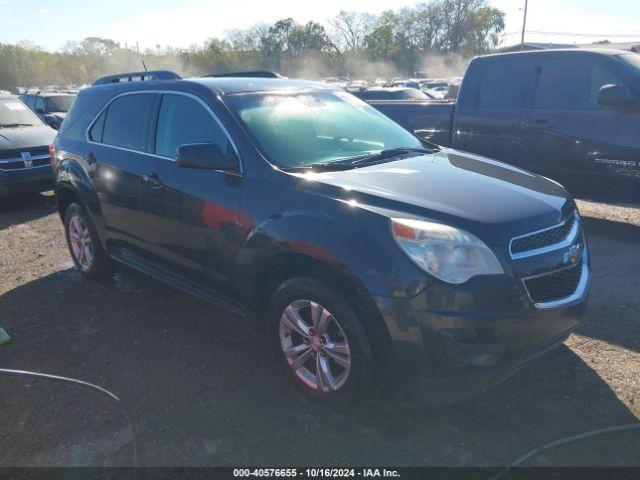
368 256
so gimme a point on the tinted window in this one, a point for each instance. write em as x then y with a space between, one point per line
572 84
632 60
60 103
39 103
126 121
95 133
183 120
503 84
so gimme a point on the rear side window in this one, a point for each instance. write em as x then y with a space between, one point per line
126 122
572 84
95 133
30 101
503 83
183 120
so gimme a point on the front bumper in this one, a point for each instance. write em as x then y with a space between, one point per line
443 356
37 179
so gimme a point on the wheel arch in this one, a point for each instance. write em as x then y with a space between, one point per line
284 266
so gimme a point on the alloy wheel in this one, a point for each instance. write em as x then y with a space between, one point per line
81 243
315 345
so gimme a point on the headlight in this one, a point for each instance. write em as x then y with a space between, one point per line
445 252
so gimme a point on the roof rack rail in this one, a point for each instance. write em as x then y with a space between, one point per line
138 77
247 74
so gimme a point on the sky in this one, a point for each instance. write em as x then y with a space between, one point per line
182 23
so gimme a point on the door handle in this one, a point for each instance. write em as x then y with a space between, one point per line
91 158
153 179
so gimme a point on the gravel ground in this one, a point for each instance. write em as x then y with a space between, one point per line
201 388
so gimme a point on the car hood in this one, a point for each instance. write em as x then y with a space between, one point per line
26 137
493 200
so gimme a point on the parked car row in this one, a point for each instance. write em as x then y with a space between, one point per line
51 107
367 255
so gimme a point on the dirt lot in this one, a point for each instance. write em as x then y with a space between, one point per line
201 388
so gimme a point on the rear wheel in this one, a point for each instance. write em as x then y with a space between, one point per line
84 245
320 343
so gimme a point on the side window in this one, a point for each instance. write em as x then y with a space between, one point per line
30 101
40 103
95 133
571 84
183 120
127 119
503 84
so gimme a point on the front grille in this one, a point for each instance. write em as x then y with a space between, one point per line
544 238
12 159
15 153
556 285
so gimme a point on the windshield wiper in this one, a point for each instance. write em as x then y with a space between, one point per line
12 125
374 157
351 162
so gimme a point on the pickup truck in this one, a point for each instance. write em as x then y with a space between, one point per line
572 115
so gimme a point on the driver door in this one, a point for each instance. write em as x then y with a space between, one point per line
192 216
571 136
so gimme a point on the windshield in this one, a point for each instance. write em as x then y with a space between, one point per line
632 59
14 112
60 103
303 129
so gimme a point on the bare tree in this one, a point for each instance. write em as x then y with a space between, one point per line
350 29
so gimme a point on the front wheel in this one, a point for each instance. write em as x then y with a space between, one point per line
84 245
320 343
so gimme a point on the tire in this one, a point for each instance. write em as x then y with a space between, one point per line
77 222
335 390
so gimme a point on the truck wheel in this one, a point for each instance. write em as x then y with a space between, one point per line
320 343
84 245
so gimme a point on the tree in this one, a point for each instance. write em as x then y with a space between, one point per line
350 29
392 42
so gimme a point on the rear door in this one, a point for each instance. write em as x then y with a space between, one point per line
118 140
193 219
568 134
487 115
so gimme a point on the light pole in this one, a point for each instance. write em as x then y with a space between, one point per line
524 23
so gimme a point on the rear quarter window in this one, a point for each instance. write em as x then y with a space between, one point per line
95 133
81 113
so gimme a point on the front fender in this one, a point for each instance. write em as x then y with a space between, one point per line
353 242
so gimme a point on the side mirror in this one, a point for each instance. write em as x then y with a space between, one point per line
616 95
207 156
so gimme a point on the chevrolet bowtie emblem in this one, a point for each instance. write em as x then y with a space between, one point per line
572 256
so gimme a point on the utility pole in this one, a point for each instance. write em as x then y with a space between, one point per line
524 23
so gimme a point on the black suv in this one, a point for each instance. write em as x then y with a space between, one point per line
24 149
368 255
51 107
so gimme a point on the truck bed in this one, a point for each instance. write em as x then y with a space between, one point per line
429 119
